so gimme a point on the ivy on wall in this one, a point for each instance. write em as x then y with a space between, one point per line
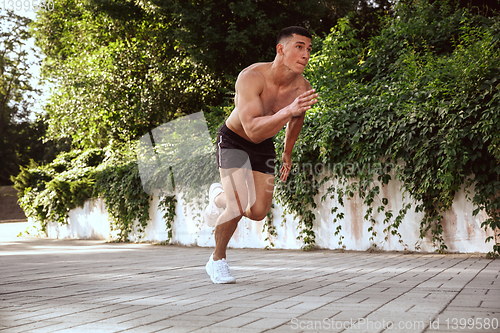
48 193
423 96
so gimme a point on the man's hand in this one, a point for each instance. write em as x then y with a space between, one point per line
286 167
303 103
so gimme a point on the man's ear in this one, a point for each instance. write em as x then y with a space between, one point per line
279 48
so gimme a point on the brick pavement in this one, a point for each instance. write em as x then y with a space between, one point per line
92 286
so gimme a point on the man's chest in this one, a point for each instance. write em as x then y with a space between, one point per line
274 99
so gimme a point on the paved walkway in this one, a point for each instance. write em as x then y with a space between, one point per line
92 286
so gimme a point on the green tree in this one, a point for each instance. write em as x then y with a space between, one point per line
118 73
230 35
16 92
122 68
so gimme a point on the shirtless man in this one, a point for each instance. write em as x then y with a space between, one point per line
268 97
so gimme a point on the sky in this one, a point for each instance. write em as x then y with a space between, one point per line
35 69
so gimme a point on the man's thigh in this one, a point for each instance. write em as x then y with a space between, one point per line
235 183
260 195
248 192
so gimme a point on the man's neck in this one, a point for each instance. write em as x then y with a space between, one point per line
281 74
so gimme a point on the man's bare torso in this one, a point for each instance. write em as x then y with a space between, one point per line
273 96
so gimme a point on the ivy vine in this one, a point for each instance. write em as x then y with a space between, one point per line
423 95
169 203
269 228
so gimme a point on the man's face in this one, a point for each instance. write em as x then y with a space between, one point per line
296 52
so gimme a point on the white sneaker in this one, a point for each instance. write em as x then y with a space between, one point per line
219 271
212 212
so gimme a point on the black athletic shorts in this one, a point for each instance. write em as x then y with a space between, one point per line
233 151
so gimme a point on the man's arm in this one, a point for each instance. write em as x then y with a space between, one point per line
257 126
292 133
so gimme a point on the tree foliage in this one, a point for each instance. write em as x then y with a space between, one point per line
16 94
122 68
116 71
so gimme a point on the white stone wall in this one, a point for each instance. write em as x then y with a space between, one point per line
87 222
462 231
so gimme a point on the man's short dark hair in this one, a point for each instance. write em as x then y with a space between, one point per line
288 32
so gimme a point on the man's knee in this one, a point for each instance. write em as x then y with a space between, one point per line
258 212
233 211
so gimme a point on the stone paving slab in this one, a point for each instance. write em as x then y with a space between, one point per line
93 286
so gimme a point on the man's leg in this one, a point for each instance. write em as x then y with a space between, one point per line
235 200
246 193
